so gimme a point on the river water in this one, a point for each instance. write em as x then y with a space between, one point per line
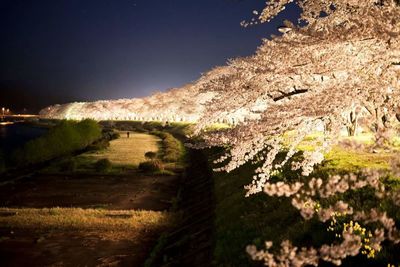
16 135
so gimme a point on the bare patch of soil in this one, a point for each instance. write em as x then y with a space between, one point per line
136 191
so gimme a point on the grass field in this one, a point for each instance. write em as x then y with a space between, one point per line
127 151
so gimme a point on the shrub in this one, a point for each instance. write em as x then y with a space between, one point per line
172 147
162 135
150 155
110 134
99 145
151 125
68 165
114 135
151 166
64 138
103 165
88 131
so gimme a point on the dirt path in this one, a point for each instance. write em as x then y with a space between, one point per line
27 247
190 244
73 247
121 192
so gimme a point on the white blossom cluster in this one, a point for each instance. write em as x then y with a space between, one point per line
292 256
312 158
395 196
305 197
388 223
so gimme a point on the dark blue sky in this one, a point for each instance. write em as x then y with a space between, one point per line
67 50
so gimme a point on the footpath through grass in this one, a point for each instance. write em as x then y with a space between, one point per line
126 151
122 155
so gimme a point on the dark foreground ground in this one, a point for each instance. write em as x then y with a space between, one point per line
60 246
119 192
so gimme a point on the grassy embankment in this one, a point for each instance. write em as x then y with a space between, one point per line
242 221
63 139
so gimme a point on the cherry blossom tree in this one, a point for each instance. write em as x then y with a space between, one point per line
324 72
343 61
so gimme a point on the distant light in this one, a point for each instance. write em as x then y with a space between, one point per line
6 123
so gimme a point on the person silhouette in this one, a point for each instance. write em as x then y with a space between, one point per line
127 134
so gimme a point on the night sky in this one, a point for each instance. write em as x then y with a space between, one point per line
56 51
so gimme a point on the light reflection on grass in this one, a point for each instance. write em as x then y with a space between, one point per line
130 222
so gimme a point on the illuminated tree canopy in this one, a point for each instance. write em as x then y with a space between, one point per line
344 61
320 73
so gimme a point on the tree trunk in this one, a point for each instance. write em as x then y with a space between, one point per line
352 123
327 126
379 123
